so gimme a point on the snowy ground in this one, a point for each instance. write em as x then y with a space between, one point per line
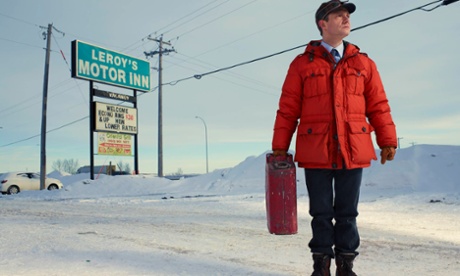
215 224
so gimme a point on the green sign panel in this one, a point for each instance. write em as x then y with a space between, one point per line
98 64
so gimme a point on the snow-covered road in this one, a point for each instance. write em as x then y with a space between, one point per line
214 235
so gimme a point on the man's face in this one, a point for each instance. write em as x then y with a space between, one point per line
338 24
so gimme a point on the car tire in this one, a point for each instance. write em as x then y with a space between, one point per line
53 187
12 190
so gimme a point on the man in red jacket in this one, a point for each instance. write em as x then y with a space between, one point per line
334 97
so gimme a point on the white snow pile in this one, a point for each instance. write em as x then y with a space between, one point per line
421 168
215 224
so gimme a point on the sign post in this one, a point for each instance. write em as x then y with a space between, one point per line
91 62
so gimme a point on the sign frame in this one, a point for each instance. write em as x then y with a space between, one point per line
114 96
94 63
115 144
109 118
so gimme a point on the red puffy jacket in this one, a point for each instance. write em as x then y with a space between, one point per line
336 107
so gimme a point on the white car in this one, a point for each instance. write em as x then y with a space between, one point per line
15 182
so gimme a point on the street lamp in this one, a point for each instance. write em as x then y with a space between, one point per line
206 140
399 143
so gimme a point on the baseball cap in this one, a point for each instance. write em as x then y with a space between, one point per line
331 6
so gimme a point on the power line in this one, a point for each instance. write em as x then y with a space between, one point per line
254 33
22 43
234 74
191 19
208 22
32 98
221 46
444 3
49 131
244 78
178 20
199 76
158 31
217 18
20 20
68 66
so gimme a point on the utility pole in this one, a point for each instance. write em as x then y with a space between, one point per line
44 110
160 53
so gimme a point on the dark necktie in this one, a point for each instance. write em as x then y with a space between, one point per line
336 55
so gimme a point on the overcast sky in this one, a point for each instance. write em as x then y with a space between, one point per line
415 54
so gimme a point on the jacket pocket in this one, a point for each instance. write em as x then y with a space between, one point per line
314 83
311 144
360 144
354 80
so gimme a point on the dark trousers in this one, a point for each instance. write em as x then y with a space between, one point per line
334 195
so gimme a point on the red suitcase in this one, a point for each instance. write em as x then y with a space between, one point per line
281 194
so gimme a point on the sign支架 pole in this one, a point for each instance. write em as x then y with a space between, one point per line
91 129
136 148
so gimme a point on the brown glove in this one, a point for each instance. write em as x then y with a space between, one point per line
387 153
279 153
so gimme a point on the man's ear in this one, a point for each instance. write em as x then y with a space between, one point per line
322 24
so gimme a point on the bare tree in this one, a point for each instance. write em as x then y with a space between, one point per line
58 165
66 165
127 168
179 172
124 167
71 166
